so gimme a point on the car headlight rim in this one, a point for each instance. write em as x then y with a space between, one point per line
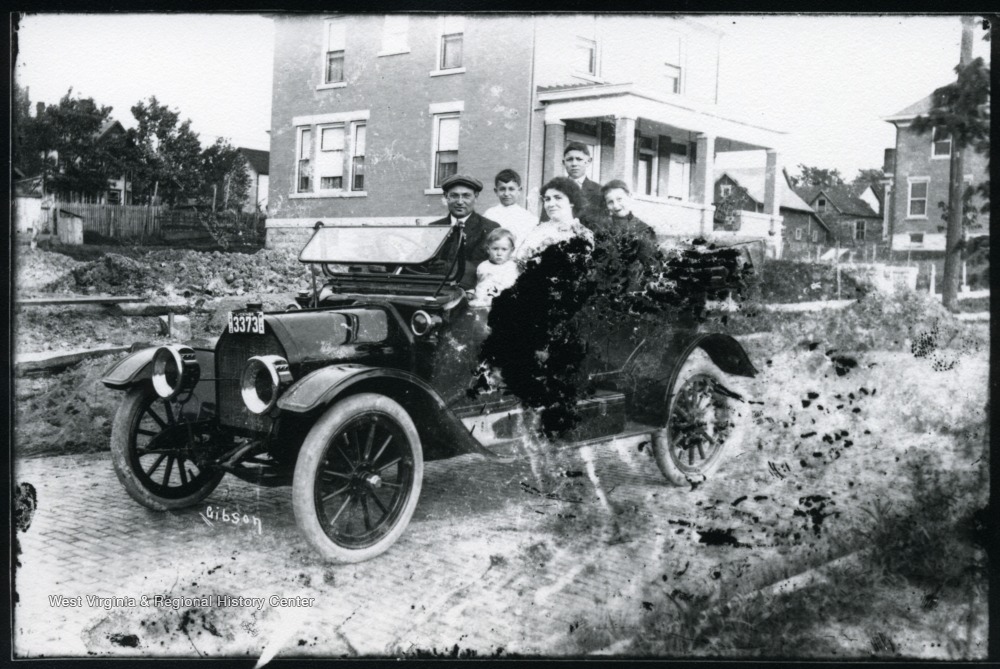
175 369
277 375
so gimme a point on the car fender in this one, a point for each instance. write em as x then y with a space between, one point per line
138 365
131 369
442 434
724 351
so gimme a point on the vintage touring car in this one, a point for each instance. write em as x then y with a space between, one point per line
345 394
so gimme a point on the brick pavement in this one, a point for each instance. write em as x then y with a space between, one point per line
486 563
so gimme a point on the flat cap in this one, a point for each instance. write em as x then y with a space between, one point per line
461 180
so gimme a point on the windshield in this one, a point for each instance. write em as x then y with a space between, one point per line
403 245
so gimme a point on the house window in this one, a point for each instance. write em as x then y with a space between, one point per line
917 207
333 70
798 234
942 143
815 236
395 34
725 190
445 147
303 168
358 157
859 231
452 37
330 158
673 76
917 238
585 56
821 204
114 196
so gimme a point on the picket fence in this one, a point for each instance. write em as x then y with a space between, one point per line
119 221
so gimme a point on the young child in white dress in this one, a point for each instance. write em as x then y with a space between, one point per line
499 271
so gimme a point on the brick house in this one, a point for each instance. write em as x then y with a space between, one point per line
371 112
919 173
851 220
258 168
803 230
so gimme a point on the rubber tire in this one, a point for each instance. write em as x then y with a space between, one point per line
700 363
310 455
125 421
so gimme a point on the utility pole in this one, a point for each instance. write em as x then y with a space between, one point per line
954 235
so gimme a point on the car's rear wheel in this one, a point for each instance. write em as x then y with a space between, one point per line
358 478
153 452
704 417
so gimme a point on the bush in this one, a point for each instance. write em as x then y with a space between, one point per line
782 281
933 542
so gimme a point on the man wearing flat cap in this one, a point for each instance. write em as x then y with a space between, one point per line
460 192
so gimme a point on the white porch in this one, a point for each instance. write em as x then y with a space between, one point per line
664 148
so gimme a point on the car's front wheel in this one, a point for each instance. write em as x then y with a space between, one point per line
705 416
154 453
358 478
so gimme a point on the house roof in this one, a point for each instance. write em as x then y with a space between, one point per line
259 160
840 197
919 107
752 179
108 126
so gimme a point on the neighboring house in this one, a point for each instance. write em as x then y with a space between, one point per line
853 222
370 113
257 166
919 175
119 189
803 229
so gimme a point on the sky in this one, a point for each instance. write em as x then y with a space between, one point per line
825 80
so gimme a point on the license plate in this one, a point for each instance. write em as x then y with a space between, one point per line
246 322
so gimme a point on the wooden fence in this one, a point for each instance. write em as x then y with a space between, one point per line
119 221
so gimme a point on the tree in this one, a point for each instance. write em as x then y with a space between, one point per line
63 143
866 177
226 168
962 111
167 158
817 176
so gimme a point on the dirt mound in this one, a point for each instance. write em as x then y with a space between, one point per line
36 269
178 272
67 413
114 274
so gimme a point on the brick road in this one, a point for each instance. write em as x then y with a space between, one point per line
488 563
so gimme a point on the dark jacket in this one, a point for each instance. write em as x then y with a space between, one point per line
476 229
594 203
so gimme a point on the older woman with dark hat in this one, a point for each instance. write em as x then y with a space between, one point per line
460 193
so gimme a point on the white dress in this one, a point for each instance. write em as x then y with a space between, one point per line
491 280
546 234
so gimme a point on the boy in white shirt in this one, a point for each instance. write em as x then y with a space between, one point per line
509 214
499 271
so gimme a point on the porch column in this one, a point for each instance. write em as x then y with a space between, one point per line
624 168
772 202
555 140
702 186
